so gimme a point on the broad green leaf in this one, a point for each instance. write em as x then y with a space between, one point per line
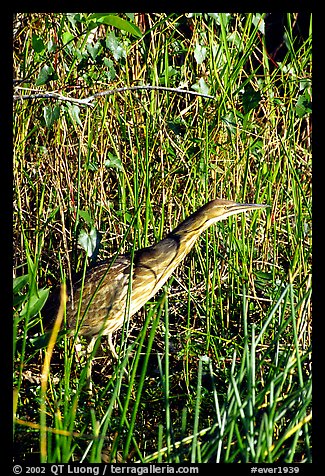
37 44
67 37
35 303
86 216
258 20
113 162
230 121
125 215
51 114
251 99
75 18
51 46
89 241
118 22
18 300
39 342
304 105
19 283
98 16
115 46
111 73
93 50
235 39
199 53
74 111
177 127
221 18
44 75
201 87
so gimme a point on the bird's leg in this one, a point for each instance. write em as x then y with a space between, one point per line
87 356
111 346
90 348
113 351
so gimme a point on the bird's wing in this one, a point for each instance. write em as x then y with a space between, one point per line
100 299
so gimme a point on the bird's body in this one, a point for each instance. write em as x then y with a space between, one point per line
106 297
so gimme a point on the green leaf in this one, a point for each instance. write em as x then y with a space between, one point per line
304 105
115 46
89 241
75 18
118 22
35 303
44 75
258 20
93 50
199 53
177 126
18 301
111 73
67 37
19 283
92 166
74 111
86 216
235 39
221 18
251 99
130 15
51 46
264 275
37 44
201 87
39 342
231 122
113 162
51 114
127 216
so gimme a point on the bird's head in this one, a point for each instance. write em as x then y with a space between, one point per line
220 209
214 211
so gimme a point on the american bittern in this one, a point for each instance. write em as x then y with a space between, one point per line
105 298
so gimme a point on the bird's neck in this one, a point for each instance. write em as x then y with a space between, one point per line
159 261
187 232
190 229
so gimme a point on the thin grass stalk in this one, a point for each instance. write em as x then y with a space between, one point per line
164 373
194 448
188 326
221 419
270 317
160 443
46 371
249 358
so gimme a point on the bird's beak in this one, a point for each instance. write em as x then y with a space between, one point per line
244 207
247 206
251 205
